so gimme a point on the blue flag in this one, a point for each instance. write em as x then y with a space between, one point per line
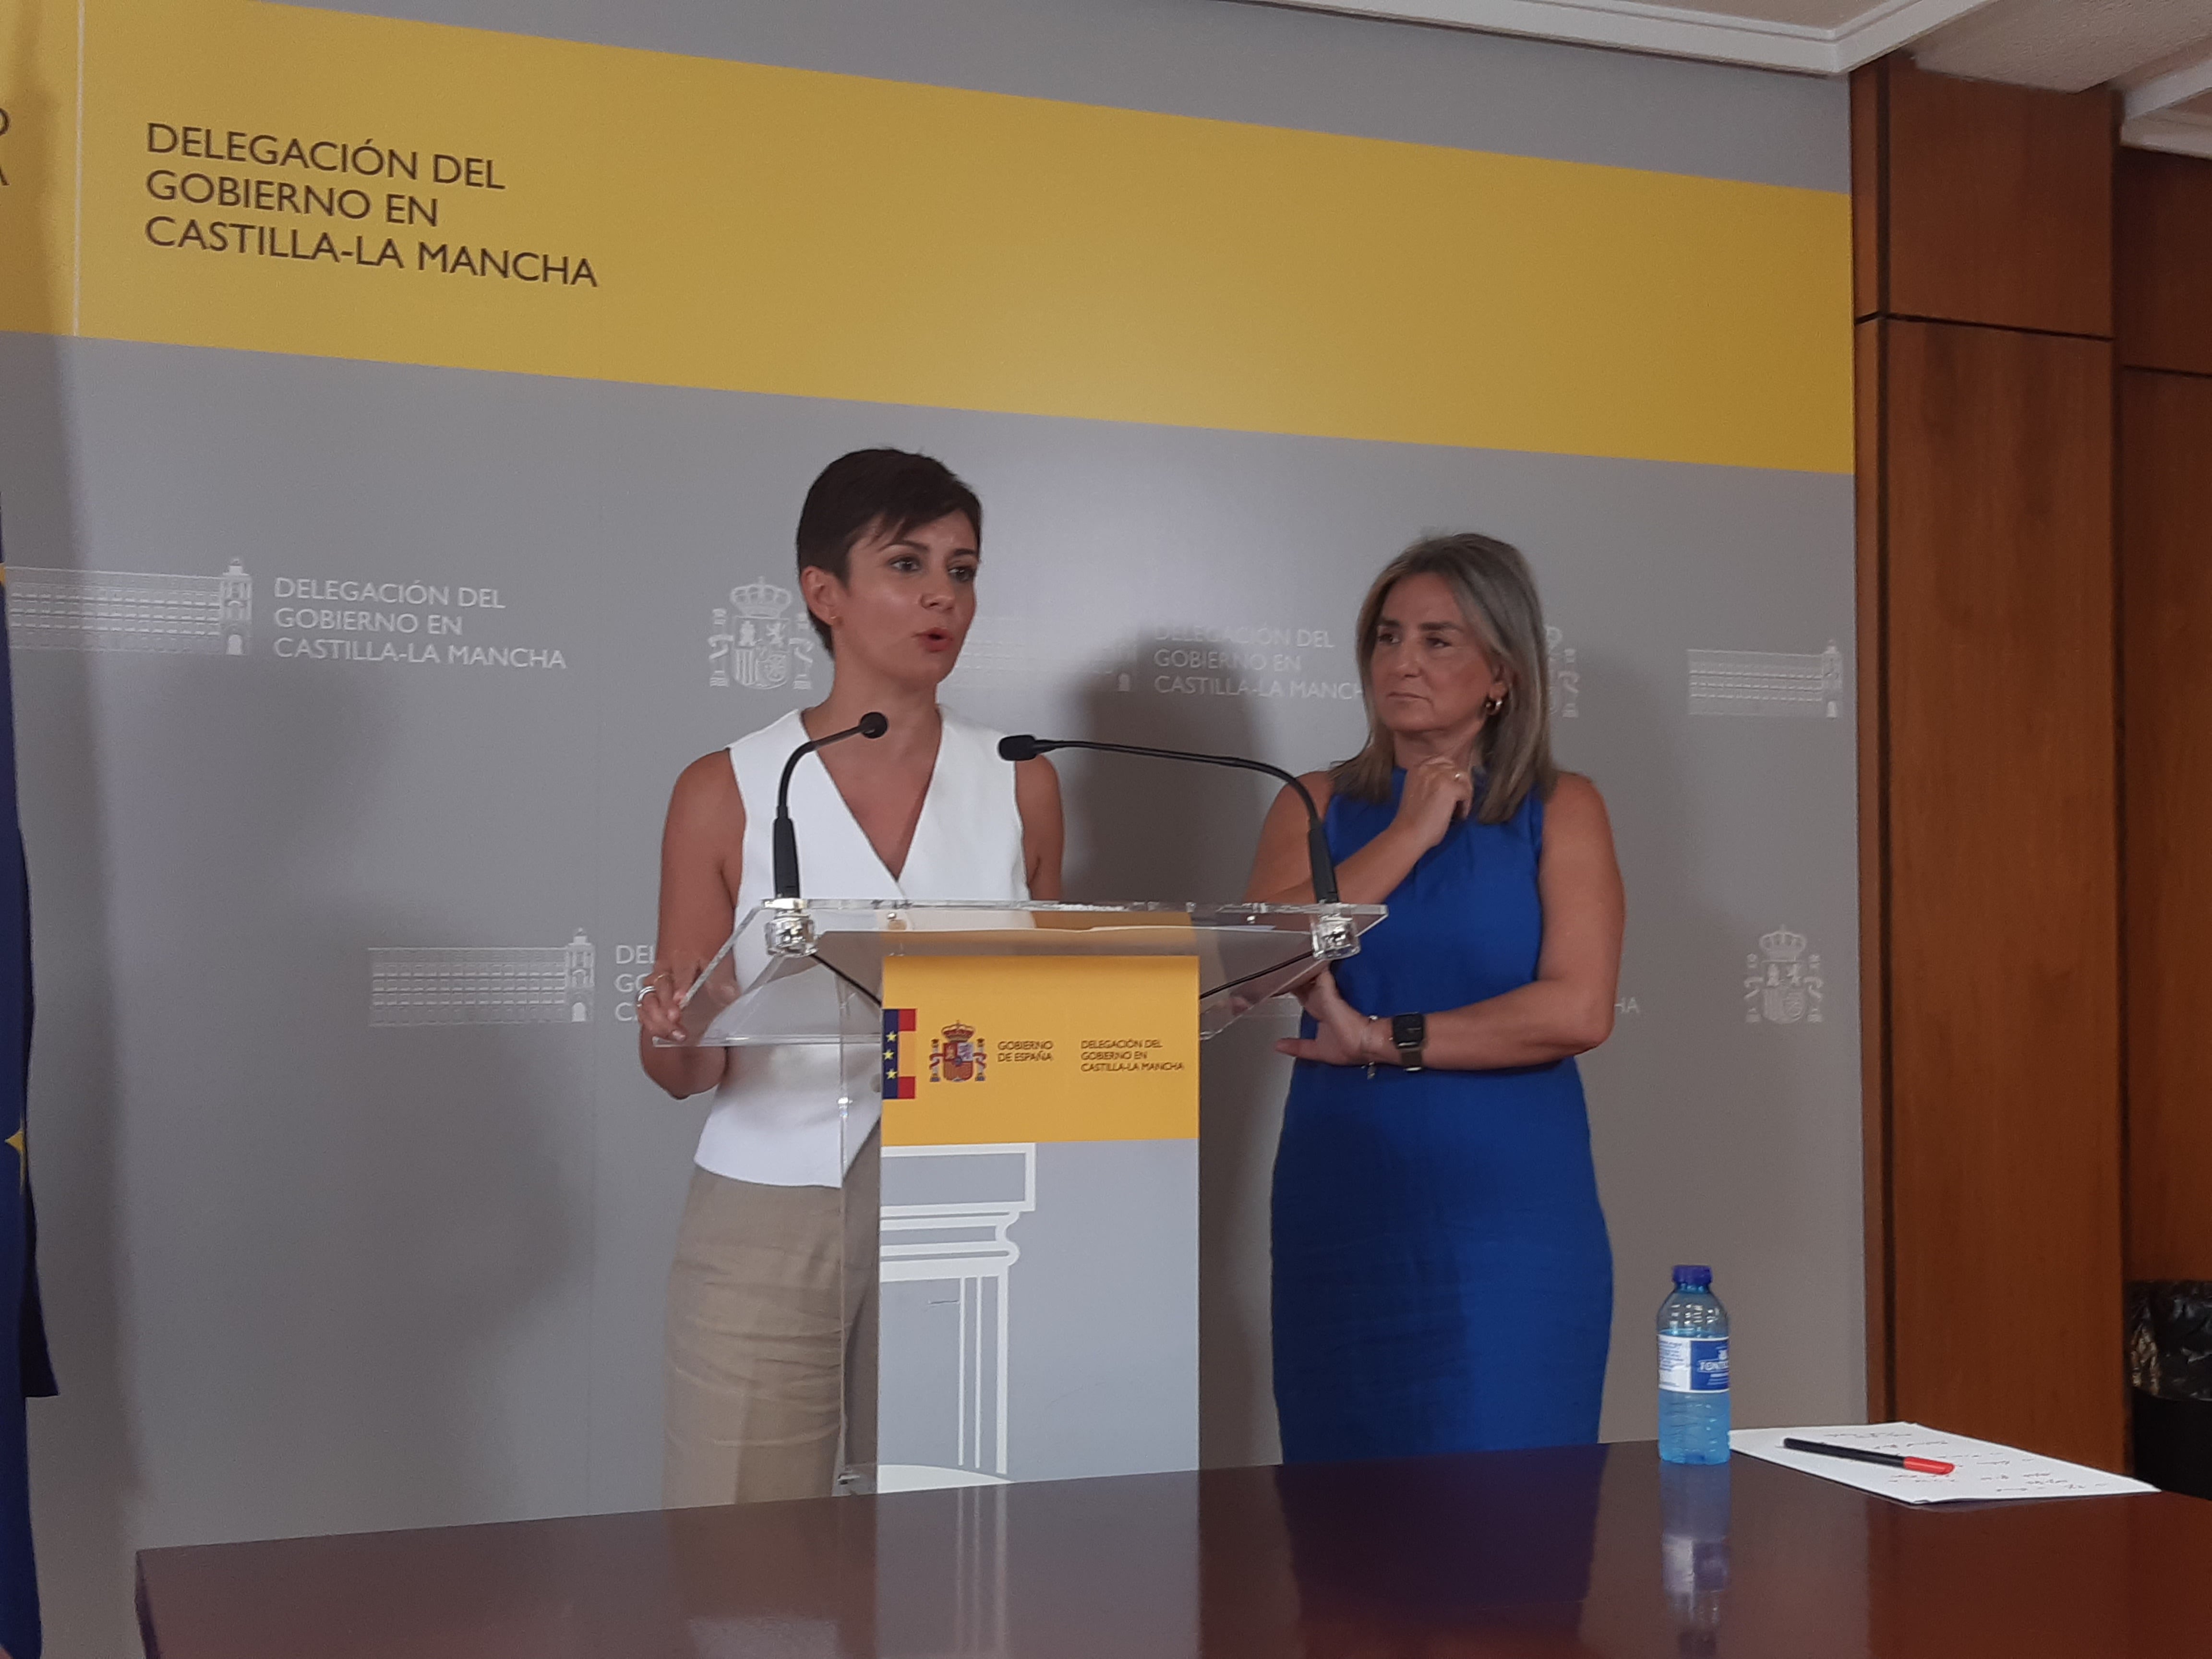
24 1369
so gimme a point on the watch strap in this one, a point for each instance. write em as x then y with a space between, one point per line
1409 1035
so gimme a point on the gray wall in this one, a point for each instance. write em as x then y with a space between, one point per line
312 1273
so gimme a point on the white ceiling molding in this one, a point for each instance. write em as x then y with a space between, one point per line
2069 45
1677 31
2183 135
2177 86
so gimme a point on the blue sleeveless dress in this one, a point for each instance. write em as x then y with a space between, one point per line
1443 1279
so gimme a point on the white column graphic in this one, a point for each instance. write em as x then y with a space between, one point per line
963 1238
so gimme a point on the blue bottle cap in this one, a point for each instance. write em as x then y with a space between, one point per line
1701 1277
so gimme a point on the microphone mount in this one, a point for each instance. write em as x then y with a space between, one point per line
871 724
1024 747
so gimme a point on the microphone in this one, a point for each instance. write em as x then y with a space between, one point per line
786 837
1024 747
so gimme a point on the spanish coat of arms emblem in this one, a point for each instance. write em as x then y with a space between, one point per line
956 1056
1781 982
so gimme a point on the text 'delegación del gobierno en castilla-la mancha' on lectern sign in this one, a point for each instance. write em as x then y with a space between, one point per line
1018 1084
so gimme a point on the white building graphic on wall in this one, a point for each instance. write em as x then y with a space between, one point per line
1783 682
54 609
753 647
484 985
1782 981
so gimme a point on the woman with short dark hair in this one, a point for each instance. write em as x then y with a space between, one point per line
1443 1279
775 1272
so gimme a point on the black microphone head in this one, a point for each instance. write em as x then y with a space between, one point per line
1020 747
873 725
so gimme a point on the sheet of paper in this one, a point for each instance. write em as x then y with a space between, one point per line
1986 1470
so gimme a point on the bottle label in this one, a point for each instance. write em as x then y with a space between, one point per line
1694 1364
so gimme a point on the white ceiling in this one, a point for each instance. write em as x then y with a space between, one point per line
2157 52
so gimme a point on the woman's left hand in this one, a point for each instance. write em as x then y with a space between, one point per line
1345 1038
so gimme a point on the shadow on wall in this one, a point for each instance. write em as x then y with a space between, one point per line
408 1216
85 1461
1667 1198
81 1519
72 1088
1162 830
283 1250
1241 1119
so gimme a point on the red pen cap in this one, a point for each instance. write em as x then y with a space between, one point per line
1929 1466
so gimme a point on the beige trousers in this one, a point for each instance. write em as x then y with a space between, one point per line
771 1357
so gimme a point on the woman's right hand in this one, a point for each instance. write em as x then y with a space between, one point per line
701 866
657 1015
1439 792
663 1015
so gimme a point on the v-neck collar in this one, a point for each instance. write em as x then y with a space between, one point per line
922 820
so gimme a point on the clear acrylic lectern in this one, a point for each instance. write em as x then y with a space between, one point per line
810 973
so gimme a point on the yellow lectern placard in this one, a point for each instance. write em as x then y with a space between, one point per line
981 1050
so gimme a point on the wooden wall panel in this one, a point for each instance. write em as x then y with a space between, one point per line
2002 946
2165 553
1999 203
2163 232
1874 867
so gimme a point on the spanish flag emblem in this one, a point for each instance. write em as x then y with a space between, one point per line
897 1085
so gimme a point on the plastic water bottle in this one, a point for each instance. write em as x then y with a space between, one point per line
1693 1372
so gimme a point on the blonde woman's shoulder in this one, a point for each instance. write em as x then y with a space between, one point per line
1574 796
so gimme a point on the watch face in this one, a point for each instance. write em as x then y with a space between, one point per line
1408 1031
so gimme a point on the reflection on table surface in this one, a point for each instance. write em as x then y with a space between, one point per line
1577 1551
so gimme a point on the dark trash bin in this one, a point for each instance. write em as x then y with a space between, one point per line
2170 1364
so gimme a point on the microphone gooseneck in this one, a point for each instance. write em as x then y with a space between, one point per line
871 724
1024 746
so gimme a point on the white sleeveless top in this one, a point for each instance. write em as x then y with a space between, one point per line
774 1118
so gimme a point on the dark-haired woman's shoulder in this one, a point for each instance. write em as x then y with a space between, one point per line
703 845
707 789
1045 831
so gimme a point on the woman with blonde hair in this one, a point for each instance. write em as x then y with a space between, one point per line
1443 1278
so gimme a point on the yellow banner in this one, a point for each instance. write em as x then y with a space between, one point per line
982 1049
272 178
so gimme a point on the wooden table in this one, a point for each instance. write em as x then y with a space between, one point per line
1537 1554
